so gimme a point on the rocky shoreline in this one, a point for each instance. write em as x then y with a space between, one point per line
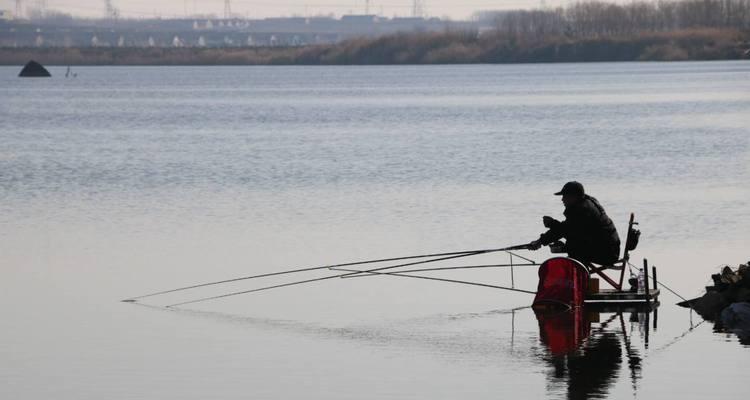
727 301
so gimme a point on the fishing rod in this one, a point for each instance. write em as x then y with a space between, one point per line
308 269
448 256
363 275
303 281
432 278
476 252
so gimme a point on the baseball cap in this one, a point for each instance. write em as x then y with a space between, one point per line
571 187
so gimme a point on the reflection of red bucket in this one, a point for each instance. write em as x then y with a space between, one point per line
562 281
562 331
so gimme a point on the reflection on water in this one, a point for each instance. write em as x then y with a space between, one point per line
587 355
735 319
585 352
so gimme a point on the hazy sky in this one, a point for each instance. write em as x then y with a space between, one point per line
265 8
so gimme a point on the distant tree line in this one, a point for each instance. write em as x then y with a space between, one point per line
597 18
665 30
418 48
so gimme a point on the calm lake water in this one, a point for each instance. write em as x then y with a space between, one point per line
129 180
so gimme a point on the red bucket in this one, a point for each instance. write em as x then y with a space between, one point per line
562 281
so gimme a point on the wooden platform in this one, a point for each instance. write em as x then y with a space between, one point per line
612 296
615 307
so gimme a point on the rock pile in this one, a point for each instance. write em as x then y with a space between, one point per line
730 286
727 302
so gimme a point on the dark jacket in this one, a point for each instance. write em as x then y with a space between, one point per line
590 234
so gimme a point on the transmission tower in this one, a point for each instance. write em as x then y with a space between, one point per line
417 9
227 9
110 11
19 9
41 7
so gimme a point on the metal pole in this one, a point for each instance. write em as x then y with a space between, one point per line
645 279
626 253
647 327
512 328
512 280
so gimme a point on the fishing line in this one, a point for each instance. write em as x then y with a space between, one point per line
454 255
432 278
477 252
672 291
451 268
659 282
307 269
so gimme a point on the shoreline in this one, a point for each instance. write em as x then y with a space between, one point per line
416 49
54 65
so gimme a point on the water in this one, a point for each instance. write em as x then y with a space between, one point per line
129 180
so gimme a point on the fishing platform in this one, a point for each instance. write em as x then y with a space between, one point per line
570 282
614 301
608 296
644 293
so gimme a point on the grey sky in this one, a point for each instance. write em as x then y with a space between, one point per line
265 8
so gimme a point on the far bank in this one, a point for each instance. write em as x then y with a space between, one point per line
419 48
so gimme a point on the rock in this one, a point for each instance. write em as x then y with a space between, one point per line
736 319
730 287
33 69
710 305
742 295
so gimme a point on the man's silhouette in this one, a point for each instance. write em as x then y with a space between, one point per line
590 234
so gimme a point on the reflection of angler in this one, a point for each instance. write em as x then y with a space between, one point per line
591 358
562 331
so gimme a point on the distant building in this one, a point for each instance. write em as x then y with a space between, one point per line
6 15
207 31
359 19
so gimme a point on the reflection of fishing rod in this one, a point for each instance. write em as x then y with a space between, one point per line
630 353
678 337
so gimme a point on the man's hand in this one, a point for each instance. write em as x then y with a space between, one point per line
549 222
535 245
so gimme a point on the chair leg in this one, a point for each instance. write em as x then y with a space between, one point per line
600 271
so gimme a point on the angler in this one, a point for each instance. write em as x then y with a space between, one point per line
590 234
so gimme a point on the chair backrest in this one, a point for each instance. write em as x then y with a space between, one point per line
631 240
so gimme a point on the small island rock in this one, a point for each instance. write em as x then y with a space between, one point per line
33 69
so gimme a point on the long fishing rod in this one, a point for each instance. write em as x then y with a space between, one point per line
432 278
459 255
363 275
477 252
132 299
